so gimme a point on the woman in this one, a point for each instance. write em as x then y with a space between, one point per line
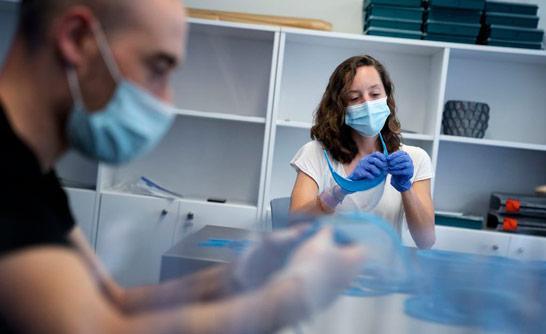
355 125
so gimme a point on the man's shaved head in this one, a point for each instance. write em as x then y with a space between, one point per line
36 15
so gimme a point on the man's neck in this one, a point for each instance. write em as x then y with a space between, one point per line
28 94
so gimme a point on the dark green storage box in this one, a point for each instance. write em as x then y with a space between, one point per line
515 20
372 31
403 3
454 15
405 13
461 4
508 7
449 28
475 223
516 34
449 38
383 22
514 44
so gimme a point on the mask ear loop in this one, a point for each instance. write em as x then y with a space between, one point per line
106 52
74 86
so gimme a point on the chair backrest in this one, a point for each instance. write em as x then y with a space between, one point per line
279 212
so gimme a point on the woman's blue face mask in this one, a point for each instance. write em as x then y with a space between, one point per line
369 117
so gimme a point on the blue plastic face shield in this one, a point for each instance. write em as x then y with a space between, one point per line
357 185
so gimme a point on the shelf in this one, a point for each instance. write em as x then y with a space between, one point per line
305 125
417 136
190 200
294 124
68 188
421 47
491 142
221 116
356 41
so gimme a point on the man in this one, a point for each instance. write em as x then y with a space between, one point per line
94 75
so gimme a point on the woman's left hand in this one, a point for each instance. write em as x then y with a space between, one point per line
400 166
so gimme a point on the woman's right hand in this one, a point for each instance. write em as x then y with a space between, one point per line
370 167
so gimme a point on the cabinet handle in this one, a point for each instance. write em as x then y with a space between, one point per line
190 216
495 247
520 251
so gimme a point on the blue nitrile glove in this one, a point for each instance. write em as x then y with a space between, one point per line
370 167
400 166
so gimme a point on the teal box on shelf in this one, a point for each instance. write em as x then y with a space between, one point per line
405 13
403 3
509 7
384 22
516 20
516 34
450 28
385 32
514 44
454 15
471 222
461 4
449 38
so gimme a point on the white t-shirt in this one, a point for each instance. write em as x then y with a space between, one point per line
310 160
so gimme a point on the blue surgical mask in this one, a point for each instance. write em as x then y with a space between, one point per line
131 123
357 185
369 117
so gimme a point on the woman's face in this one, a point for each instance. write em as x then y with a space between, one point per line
366 86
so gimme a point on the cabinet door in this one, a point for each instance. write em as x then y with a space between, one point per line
82 205
523 247
133 234
195 215
471 241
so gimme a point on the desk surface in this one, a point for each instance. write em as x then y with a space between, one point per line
374 315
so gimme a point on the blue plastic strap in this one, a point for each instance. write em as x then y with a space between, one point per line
357 185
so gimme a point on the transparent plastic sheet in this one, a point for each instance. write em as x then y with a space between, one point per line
146 186
485 292
387 268
470 293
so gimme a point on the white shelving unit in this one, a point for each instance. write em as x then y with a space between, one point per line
510 158
246 95
216 150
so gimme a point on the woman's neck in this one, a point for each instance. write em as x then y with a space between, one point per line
366 145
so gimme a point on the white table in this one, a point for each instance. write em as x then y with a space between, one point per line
374 315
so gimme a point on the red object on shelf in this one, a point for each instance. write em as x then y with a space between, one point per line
512 205
509 224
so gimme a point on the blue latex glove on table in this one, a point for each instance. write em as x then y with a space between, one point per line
400 166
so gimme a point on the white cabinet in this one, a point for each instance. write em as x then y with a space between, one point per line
528 248
194 215
520 247
466 241
83 206
133 233
471 241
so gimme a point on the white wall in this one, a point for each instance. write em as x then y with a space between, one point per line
345 15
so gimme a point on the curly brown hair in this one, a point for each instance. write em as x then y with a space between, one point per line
329 126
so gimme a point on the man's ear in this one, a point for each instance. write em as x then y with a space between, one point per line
73 36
